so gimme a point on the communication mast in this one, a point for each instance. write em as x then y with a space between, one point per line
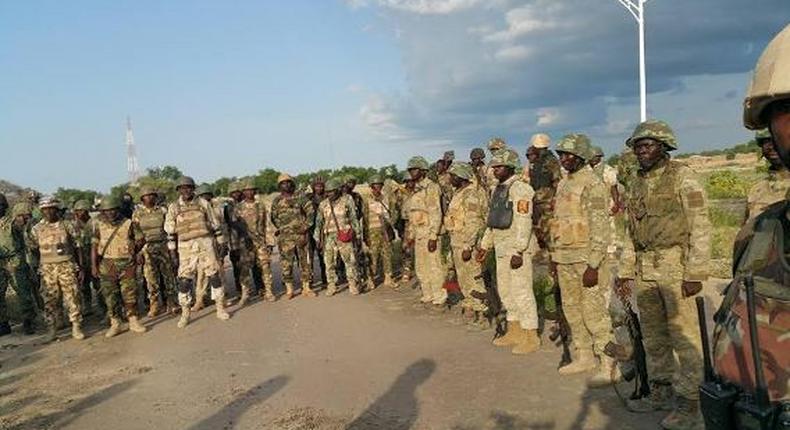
131 154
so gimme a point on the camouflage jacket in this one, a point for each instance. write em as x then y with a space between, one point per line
118 245
544 175
56 242
517 239
378 213
767 191
425 210
289 215
187 220
465 220
251 222
12 241
345 217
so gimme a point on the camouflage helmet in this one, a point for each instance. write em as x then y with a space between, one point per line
203 189
82 205
462 170
234 187
49 202
147 191
109 203
185 181
654 129
496 143
540 141
477 153
282 177
375 179
770 82
448 156
576 144
507 158
349 178
248 184
22 208
596 151
418 163
333 184
762 135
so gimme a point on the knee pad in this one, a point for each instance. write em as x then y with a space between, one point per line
214 281
185 285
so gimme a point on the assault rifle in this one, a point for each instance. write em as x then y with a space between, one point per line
495 313
636 355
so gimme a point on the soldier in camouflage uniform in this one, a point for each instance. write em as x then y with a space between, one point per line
337 225
407 247
255 247
234 241
446 186
158 271
363 266
465 221
580 234
509 234
495 145
193 236
82 223
291 215
670 231
543 175
425 226
116 243
58 245
477 160
14 270
201 284
316 195
774 186
379 212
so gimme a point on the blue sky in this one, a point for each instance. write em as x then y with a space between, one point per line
227 88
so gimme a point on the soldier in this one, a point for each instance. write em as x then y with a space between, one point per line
290 216
670 230
234 241
495 145
58 245
337 226
509 234
158 271
83 226
543 176
477 159
14 270
317 194
407 244
194 234
465 222
116 243
446 186
24 219
580 234
363 266
774 186
256 249
201 283
379 231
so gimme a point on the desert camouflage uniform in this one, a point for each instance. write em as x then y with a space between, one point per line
407 254
57 244
345 217
256 247
157 264
292 217
425 224
767 190
117 264
201 282
379 214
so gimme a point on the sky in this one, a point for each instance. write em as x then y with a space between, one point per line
229 88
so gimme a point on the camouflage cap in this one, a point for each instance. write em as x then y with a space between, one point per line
462 170
540 140
284 177
496 143
82 205
349 178
375 179
596 151
770 82
448 156
22 208
333 184
477 153
234 187
109 202
185 181
147 191
203 189
507 158
576 144
418 163
763 135
656 130
248 184
49 202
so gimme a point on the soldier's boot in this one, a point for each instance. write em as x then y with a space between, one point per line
353 289
221 313
115 327
530 342
660 399
245 297
135 326
608 373
289 291
184 320
331 289
371 285
52 333
27 327
511 335
388 281
584 362
269 296
5 328
307 291
76 331
154 309
197 306
685 416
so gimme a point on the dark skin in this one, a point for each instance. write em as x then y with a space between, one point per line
3 207
502 174
769 152
417 175
149 200
21 220
207 196
52 215
249 194
236 196
82 215
187 192
779 124
376 189
477 160
442 166
460 183
533 154
319 188
287 188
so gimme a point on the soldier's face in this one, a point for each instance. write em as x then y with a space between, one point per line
50 214
236 195
319 188
81 214
502 173
457 182
186 191
249 194
110 214
286 187
442 165
570 162
648 152
769 153
207 197
149 200
780 129
376 188
416 174
533 154
477 160
22 219
596 160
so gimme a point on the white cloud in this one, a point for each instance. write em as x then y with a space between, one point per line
420 7
547 117
513 53
525 20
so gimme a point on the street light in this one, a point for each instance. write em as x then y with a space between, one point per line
637 9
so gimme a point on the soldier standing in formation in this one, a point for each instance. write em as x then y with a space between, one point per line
234 240
509 235
316 195
407 246
379 234
116 244
543 174
14 270
83 226
337 226
194 234
495 145
477 160
774 186
291 217
58 246
256 249
669 226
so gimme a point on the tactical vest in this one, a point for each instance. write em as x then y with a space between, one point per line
121 244
54 243
657 218
152 223
341 214
539 175
570 227
378 212
191 220
500 213
249 214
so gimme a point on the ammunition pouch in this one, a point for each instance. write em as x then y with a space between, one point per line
214 281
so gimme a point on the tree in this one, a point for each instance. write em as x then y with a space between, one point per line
69 196
165 172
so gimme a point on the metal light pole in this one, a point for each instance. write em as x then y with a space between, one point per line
637 9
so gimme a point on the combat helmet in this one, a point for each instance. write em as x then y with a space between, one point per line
496 143
248 184
333 184
49 202
506 158
82 205
109 203
22 208
185 181
596 151
284 177
653 129
234 187
477 153
770 82
462 170
762 135
375 179
540 141
203 189
418 163
147 191
576 144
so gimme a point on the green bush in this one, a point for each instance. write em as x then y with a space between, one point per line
726 184
723 218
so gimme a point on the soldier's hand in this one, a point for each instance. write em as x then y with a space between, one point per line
223 250
590 277
553 270
432 245
622 287
481 256
466 254
95 271
691 288
516 262
140 259
81 275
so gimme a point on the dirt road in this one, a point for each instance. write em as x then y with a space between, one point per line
369 362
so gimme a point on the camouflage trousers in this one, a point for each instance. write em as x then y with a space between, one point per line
670 326
469 279
334 249
448 262
158 272
407 257
15 272
198 256
295 255
585 309
249 258
61 287
430 271
515 289
119 285
380 248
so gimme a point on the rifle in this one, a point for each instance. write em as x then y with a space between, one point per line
495 313
561 330
637 354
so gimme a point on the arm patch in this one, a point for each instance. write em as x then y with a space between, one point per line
695 199
598 203
523 206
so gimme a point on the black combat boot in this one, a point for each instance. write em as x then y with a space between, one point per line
5 328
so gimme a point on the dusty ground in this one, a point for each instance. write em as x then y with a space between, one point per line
369 362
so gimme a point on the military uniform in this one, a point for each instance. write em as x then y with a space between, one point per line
543 176
769 189
14 272
290 216
157 266
316 254
256 249
379 213
201 282
495 145
84 230
335 218
407 254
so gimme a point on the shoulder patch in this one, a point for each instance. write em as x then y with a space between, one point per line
523 206
695 199
598 203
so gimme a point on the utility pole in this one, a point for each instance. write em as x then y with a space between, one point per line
132 168
637 10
